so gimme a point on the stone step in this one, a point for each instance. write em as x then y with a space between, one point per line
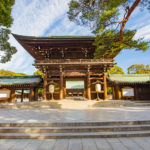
67 129
76 98
75 104
74 135
63 124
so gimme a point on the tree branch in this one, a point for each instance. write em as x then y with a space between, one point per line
126 17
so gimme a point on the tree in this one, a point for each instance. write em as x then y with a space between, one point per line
6 50
102 16
116 70
10 73
139 69
148 67
38 72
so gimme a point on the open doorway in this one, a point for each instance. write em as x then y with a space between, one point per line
75 88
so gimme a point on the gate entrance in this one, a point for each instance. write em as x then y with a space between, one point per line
75 88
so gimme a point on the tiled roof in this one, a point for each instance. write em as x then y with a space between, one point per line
72 36
129 78
56 37
17 80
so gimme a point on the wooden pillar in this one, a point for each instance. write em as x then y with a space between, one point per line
45 87
136 97
88 84
113 93
105 87
36 94
61 84
22 93
118 92
12 98
31 95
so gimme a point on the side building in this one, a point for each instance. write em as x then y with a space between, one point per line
130 86
67 62
11 86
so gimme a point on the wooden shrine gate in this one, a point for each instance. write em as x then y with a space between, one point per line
63 58
89 73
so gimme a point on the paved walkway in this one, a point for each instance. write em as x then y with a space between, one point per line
61 115
142 143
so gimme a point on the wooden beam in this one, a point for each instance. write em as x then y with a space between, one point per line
94 78
88 84
136 94
31 95
113 93
36 94
61 84
105 87
22 92
12 98
74 74
45 87
74 60
118 92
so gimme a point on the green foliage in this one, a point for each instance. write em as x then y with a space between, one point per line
38 72
5 12
100 14
147 67
10 73
116 70
40 90
103 18
109 90
6 50
109 46
139 69
84 14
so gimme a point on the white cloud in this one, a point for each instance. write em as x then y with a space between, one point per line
144 32
66 27
140 21
31 18
34 18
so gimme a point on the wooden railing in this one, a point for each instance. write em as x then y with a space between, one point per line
73 60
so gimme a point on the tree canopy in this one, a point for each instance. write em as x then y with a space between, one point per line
10 73
103 18
6 50
116 70
139 69
38 72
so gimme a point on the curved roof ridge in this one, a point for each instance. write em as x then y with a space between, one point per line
129 78
14 77
128 75
55 36
20 80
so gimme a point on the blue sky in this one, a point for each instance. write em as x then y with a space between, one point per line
48 17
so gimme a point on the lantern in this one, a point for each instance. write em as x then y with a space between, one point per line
98 87
51 88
